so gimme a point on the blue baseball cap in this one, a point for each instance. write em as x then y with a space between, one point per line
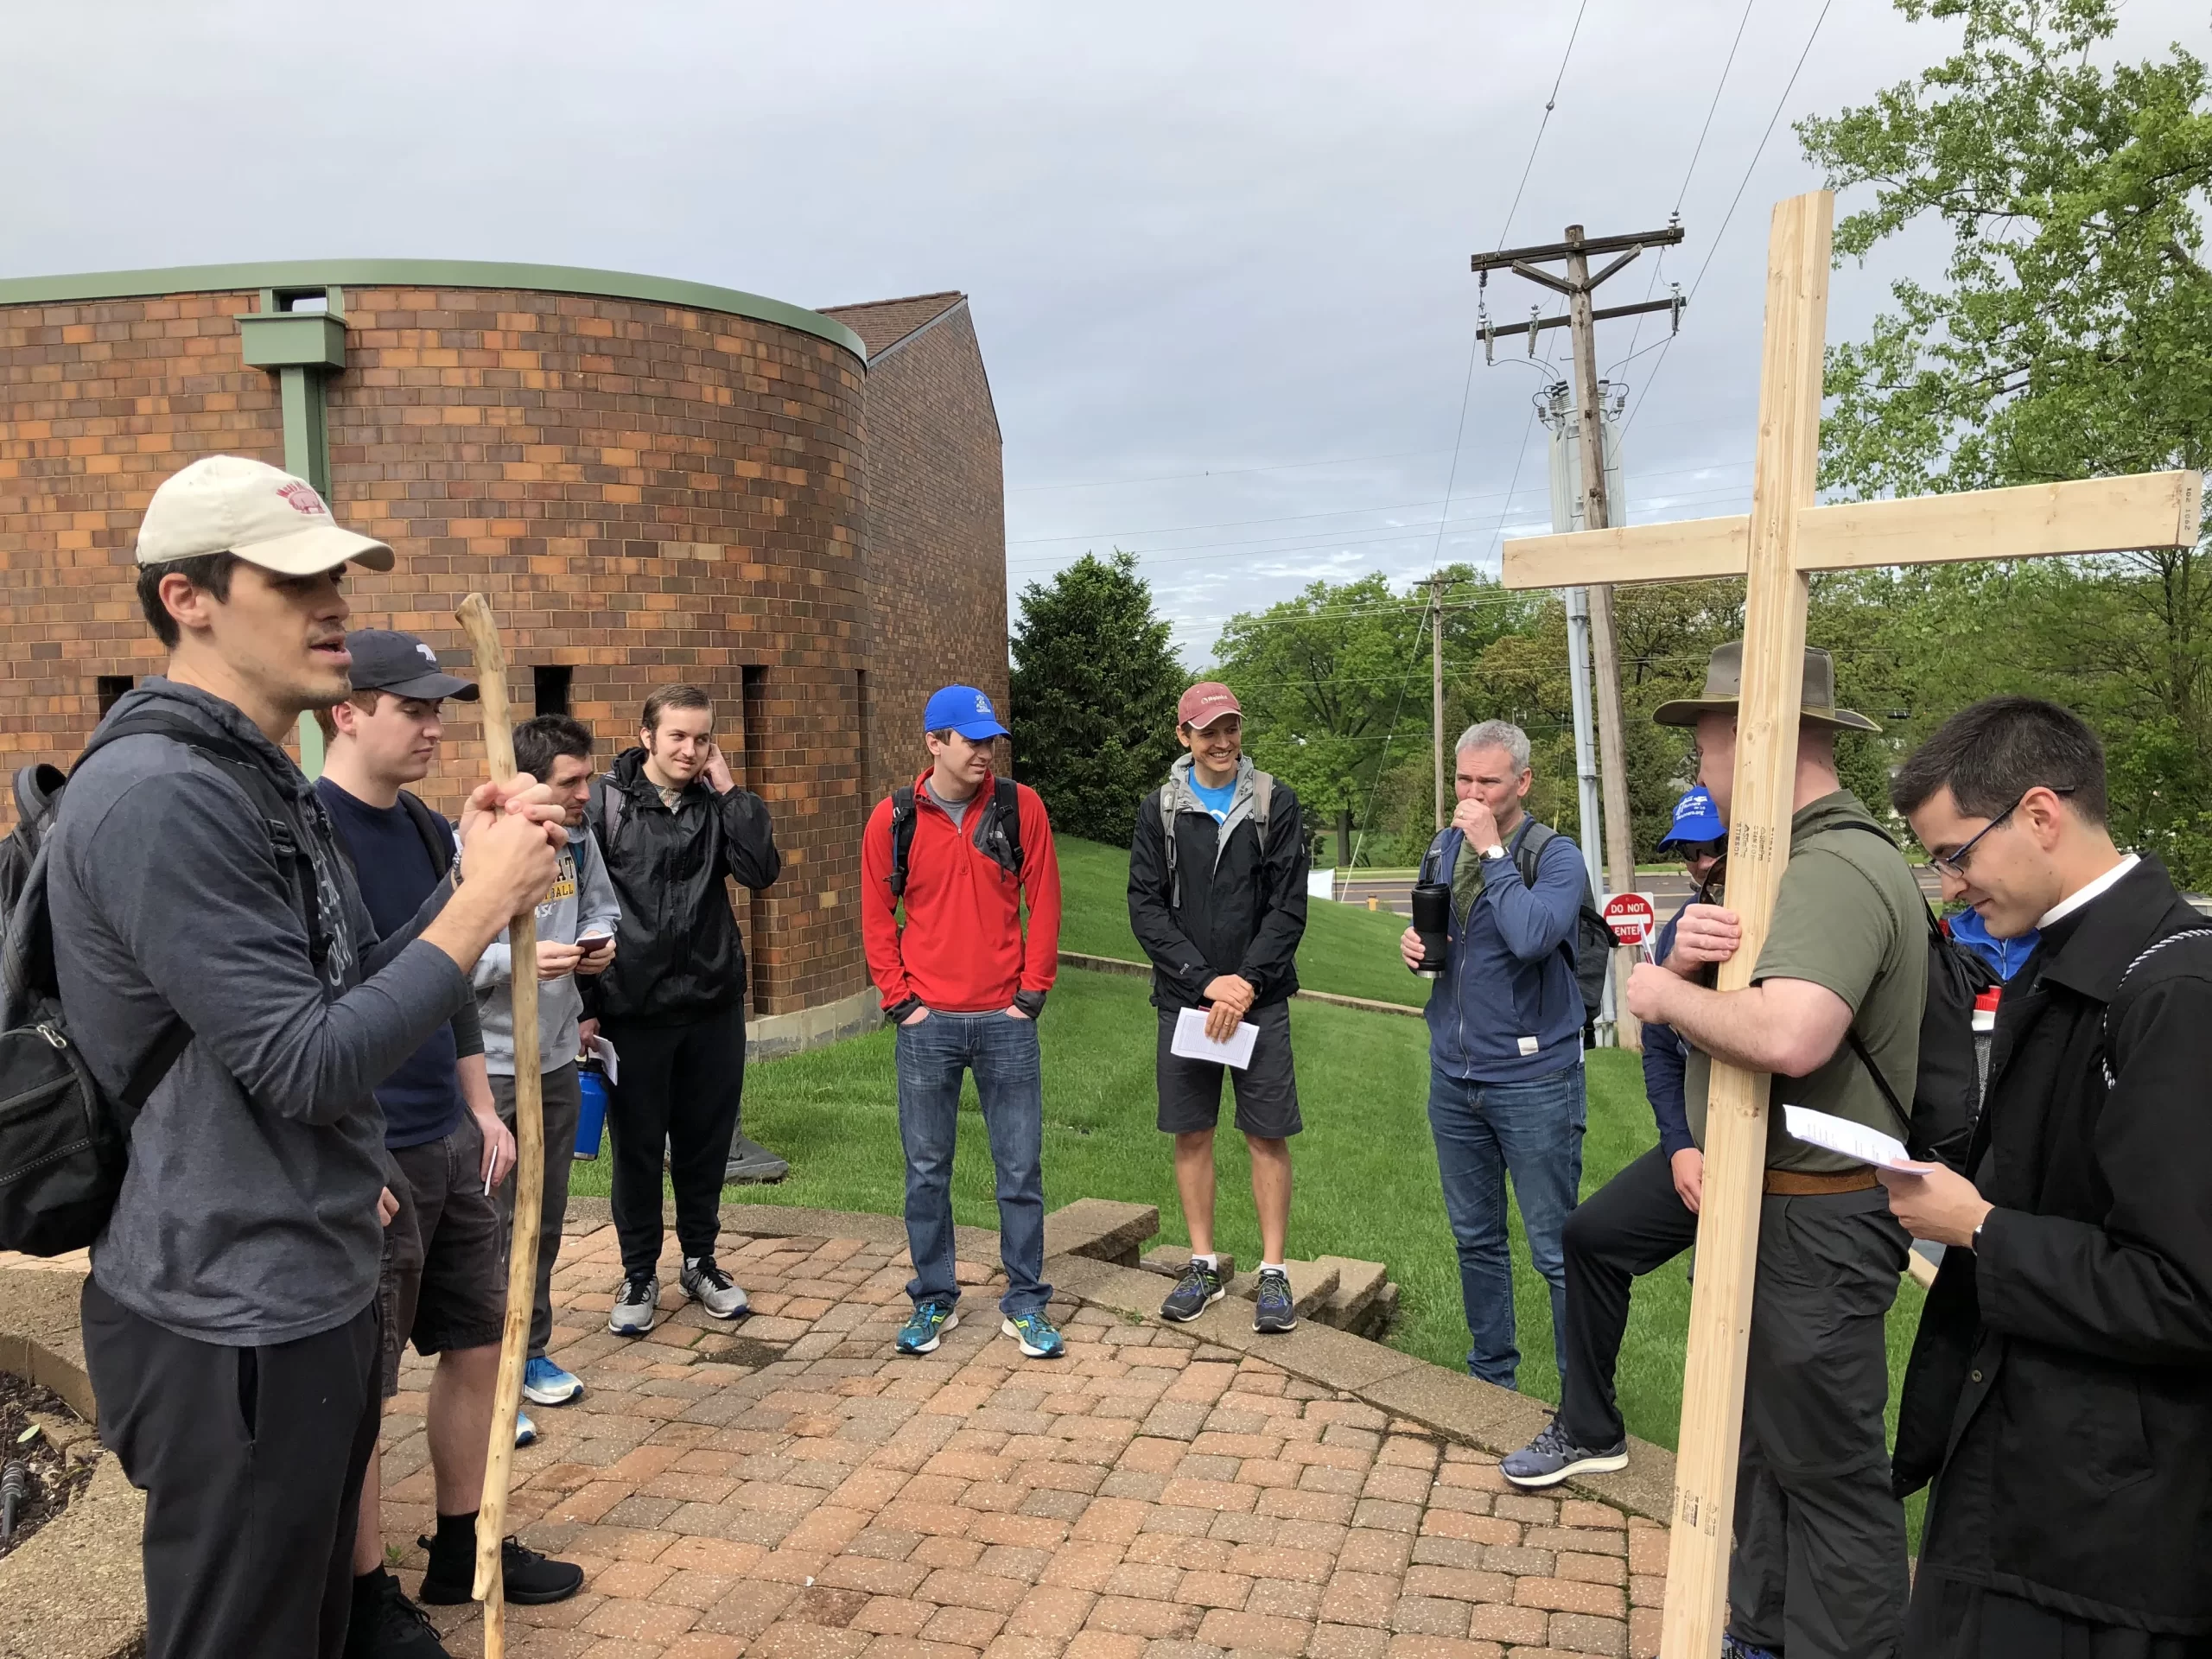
1696 819
963 709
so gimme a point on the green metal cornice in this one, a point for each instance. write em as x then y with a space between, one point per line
426 273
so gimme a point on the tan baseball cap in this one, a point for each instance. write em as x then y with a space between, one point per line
227 504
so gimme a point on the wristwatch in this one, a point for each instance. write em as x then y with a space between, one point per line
1492 851
1973 1239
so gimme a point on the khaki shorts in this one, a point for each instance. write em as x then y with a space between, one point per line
444 1279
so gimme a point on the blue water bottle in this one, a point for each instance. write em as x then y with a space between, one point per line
591 1119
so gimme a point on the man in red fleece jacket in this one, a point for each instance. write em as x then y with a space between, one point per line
963 849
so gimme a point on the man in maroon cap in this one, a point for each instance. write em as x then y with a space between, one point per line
1217 899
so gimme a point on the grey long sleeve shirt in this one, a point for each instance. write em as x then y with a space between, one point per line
582 901
249 1213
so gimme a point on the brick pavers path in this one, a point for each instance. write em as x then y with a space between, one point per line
788 1488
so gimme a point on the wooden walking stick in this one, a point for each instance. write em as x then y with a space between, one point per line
475 615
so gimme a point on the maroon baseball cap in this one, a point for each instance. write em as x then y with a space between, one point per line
1205 704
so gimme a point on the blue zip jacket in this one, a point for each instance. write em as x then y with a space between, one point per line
1507 1009
2006 957
1666 1057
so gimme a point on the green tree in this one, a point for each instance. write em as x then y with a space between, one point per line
2071 335
1094 687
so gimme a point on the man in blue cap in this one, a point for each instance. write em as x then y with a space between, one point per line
1645 1216
962 848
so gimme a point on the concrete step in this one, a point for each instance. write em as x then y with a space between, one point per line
1169 1261
1312 1284
1102 1229
1359 1283
1376 1320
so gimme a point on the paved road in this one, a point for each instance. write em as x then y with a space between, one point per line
1669 891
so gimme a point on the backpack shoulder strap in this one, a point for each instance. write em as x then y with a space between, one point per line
1528 848
437 833
1263 800
1006 796
1432 860
902 837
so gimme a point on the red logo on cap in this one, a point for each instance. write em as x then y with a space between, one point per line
302 498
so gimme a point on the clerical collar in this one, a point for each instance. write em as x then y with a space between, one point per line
2089 894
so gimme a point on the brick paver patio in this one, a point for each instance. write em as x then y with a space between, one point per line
788 1488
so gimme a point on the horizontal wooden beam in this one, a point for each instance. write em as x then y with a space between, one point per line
1494 329
1504 257
2030 521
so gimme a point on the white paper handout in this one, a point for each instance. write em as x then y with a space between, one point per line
602 1051
1851 1139
1191 1042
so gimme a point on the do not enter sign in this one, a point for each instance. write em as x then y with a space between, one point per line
1631 915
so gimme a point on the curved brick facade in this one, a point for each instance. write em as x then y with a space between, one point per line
647 491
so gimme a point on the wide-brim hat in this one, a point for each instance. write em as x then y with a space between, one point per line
1724 690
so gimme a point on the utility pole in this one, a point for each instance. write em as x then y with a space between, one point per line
1577 285
1436 687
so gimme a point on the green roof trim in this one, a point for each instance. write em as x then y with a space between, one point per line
426 273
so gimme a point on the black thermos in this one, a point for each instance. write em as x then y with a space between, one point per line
1432 921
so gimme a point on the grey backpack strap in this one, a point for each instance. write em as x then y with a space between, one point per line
1166 800
1264 798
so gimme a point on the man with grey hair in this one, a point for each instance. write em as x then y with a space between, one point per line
1505 1018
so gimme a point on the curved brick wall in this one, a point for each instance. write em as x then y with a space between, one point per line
648 493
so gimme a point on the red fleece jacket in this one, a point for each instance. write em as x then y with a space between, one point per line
963 950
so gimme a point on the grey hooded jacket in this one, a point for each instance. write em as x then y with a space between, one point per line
582 901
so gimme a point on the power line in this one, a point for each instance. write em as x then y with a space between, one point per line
1506 229
1741 185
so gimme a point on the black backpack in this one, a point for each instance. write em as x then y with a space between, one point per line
1946 1090
999 836
64 1141
1589 949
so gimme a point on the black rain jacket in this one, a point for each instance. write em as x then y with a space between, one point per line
1243 905
678 955
2061 1384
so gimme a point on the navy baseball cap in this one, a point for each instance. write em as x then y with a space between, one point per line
1696 819
401 664
963 709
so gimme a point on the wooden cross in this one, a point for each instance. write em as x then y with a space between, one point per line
1781 541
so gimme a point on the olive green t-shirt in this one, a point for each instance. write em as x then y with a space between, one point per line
1849 916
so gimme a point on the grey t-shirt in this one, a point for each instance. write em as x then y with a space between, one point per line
954 809
248 1215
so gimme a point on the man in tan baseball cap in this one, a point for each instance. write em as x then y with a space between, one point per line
218 969
273 643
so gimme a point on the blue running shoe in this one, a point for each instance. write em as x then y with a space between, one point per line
544 1384
931 1320
526 1431
1036 1334
1553 1456
1734 1647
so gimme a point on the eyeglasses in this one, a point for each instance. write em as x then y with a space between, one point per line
1954 864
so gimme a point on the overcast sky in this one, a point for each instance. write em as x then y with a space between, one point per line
1218 251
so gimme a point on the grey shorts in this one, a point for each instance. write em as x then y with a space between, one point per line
1267 1089
444 1278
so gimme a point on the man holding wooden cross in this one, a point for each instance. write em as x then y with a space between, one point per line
1779 543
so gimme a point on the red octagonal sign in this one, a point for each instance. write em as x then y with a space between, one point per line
1631 917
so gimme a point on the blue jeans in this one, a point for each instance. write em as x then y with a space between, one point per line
1483 1130
1001 1051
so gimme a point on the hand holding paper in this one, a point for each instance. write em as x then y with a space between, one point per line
1191 1042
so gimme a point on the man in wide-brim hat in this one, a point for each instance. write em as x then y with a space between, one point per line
1833 1012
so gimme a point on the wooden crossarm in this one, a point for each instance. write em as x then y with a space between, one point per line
2030 521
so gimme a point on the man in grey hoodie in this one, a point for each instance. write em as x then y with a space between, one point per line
230 1321
575 935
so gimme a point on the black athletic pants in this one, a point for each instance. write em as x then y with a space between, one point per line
251 1461
681 1086
1633 1224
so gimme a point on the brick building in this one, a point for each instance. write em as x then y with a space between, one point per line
652 481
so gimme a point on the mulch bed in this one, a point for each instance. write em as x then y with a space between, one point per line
54 1476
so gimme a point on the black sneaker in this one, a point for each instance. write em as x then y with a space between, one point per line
530 1580
1199 1289
1553 1456
386 1625
1273 1310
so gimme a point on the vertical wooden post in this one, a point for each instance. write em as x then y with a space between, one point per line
483 631
1759 846
1597 514
1436 690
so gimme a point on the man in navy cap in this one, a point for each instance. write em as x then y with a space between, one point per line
963 849
1645 1215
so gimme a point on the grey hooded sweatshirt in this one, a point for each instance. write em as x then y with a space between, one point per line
582 901
249 1213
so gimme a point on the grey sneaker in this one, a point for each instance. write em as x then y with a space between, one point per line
1553 1456
1199 1288
713 1290
634 1304
752 1163
1274 1309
